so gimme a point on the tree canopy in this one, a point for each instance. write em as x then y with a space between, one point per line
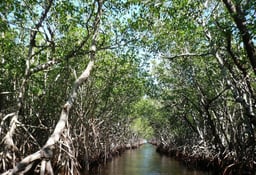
81 79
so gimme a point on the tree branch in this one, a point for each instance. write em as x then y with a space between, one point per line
240 21
186 55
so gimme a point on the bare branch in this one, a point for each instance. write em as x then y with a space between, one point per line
186 55
43 66
39 24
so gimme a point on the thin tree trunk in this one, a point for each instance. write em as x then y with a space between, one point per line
8 139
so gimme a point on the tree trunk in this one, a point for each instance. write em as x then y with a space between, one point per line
239 18
46 152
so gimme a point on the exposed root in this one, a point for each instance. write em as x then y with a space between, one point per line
207 161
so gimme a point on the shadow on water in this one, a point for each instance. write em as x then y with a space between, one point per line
144 161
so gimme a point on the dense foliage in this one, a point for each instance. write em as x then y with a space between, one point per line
180 72
206 79
45 47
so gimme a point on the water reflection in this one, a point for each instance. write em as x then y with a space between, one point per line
145 161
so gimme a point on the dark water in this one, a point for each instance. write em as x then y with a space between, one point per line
144 161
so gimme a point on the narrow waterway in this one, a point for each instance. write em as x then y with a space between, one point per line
145 161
